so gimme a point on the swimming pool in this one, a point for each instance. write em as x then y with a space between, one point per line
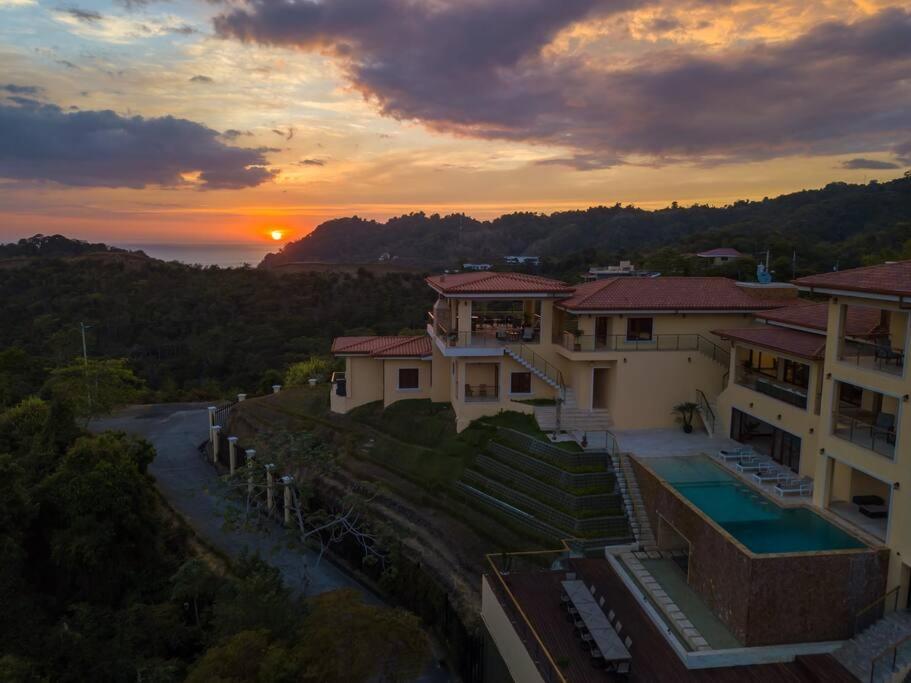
750 517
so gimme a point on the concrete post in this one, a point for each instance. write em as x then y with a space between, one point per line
216 442
241 397
251 454
212 410
276 388
270 488
286 482
232 454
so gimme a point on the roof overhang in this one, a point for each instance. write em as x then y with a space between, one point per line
903 300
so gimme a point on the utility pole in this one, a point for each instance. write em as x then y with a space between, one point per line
85 360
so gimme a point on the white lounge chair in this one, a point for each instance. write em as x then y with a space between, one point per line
796 486
729 454
752 464
770 474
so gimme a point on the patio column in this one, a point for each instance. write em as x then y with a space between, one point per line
216 442
464 322
286 482
212 410
270 488
232 454
251 454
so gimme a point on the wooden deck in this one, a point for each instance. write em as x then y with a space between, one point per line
653 659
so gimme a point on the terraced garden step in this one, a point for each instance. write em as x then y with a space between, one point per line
602 526
529 521
549 452
553 473
607 503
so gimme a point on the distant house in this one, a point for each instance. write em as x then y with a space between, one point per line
477 266
522 260
385 256
721 255
625 269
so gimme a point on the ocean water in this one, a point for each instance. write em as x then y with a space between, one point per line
224 254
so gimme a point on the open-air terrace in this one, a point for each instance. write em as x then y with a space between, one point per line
882 347
866 418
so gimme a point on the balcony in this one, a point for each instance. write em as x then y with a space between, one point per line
488 332
763 384
873 355
482 393
875 433
572 341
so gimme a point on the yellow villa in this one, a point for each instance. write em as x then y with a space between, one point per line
777 535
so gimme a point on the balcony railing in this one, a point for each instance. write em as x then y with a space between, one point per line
493 337
479 393
879 439
339 384
660 342
763 384
880 356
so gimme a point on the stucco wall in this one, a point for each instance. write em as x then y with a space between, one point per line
512 650
391 390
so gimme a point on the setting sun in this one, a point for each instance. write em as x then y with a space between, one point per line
277 234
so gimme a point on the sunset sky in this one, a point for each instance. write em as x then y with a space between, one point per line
171 120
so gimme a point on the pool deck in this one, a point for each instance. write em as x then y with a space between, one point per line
673 441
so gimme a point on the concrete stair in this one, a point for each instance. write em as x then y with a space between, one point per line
859 653
523 359
628 486
573 419
709 404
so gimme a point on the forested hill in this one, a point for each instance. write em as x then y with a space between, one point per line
56 246
823 224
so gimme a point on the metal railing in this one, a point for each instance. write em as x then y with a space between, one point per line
763 384
887 659
871 355
875 610
492 337
339 383
707 413
540 364
866 434
660 342
481 392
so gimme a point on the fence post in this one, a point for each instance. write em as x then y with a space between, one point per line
286 482
276 388
232 454
241 397
212 410
216 442
251 454
270 488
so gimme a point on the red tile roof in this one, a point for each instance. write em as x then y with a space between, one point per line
671 293
384 347
497 283
801 344
861 321
721 251
886 278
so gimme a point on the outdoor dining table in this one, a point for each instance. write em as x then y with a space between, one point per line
603 635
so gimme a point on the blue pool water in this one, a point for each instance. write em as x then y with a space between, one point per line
750 517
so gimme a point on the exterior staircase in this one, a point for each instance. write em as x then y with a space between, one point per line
536 365
861 654
628 486
573 419
708 411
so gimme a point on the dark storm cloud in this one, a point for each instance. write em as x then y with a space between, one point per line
475 67
868 164
104 149
199 78
87 15
14 89
232 133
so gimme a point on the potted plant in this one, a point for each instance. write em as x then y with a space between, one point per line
685 412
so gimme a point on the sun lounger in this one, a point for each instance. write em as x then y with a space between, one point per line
752 464
797 486
770 475
874 511
729 454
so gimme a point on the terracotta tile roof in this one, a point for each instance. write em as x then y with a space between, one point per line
497 283
721 251
886 278
384 347
861 321
801 344
670 293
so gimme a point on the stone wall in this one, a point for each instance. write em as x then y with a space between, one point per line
767 599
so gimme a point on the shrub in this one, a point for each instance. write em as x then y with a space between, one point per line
299 373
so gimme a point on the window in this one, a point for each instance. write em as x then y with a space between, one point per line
639 329
409 378
797 373
520 383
